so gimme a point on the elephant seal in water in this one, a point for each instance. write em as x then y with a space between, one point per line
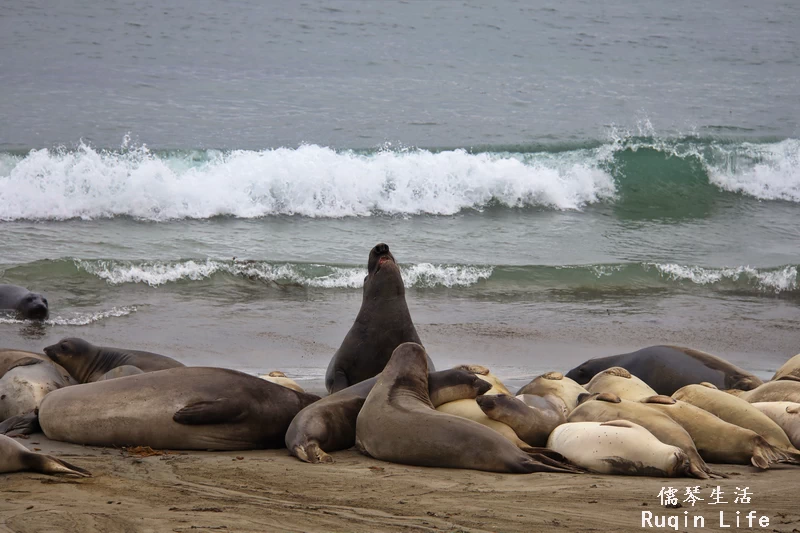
28 304
399 424
185 408
24 386
668 368
532 425
783 390
619 381
556 384
86 362
14 457
618 447
330 424
383 323
607 407
719 441
789 370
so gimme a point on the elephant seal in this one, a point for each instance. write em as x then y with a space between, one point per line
789 370
121 372
470 410
184 408
26 424
619 381
14 457
28 304
786 415
12 358
736 411
606 407
668 368
485 374
548 401
279 378
87 363
618 447
557 384
719 441
399 424
330 424
383 323
783 390
23 387
532 425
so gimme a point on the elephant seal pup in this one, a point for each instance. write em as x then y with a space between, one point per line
485 374
719 441
618 447
184 408
330 424
789 370
28 304
23 387
619 381
736 411
786 415
532 425
279 378
557 384
783 390
14 457
668 368
606 407
383 323
399 424
87 363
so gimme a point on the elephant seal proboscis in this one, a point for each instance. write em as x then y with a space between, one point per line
557 384
789 370
330 424
399 424
619 381
606 407
783 390
184 408
14 457
279 378
719 441
383 323
618 447
668 368
87 362
28 304
736 411
24 386
786 415
532 424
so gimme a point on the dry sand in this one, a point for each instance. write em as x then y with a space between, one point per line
270 491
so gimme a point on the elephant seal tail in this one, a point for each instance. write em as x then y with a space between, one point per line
765 454
47 464
547 460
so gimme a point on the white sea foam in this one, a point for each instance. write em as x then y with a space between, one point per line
76 319
776 281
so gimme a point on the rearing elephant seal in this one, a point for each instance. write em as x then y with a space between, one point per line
668 368
330 424
26 303
383 323
14 457
184 408
87 363
399 424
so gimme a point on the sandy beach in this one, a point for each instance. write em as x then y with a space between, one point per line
268 490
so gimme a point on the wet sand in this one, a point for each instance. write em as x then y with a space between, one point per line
268 490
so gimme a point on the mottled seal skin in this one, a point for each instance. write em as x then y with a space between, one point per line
558 385
668 368
14 457
398 423
10 358
532 425
789 370
383 323
24 386
330 424
185 408
28 304
618 447
87 363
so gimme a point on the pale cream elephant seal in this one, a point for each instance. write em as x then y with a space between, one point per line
556 384
619 381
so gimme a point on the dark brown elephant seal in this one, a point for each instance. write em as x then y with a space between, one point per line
329 425
383 323
185 408
532 425
87 363
668 368
398 423
28 304
14 457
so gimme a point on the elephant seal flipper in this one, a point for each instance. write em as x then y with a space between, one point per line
220 411
14 457
27 424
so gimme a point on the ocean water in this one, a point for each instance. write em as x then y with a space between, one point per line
558 181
